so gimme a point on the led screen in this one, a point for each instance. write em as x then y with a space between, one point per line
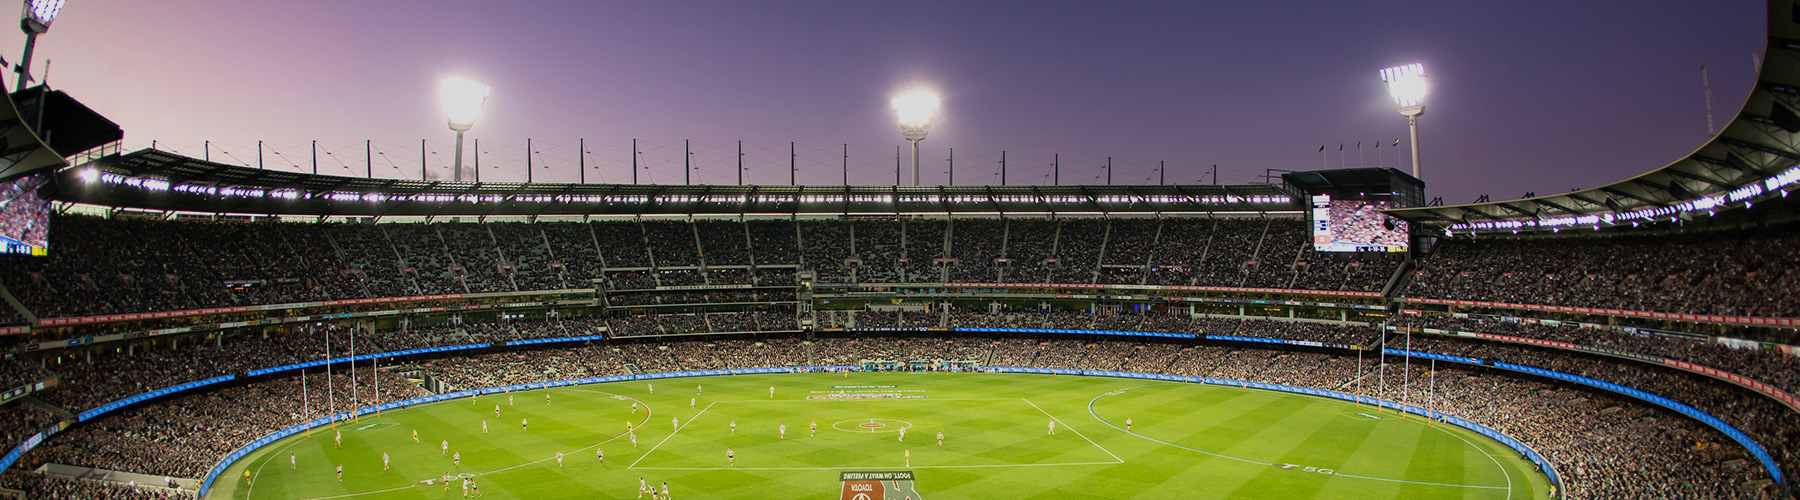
1356 225
24 216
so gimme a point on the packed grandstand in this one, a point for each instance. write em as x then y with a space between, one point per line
1647 353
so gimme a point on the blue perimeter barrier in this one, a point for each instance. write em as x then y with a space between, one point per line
364 357
347 415
1515 444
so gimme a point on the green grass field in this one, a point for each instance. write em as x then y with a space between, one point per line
1186 441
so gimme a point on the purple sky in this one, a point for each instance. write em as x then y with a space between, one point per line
1527 96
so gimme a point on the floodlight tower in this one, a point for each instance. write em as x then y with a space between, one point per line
1408 84
915 111
462 100
35 21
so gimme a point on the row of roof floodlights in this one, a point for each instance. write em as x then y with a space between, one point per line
1745 196
152 184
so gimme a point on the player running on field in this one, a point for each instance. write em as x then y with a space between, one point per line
940 439
633 407
1053 427
666 491
523 424
783 431
456 459
484 427
384 461
730 459
415 436
444 448
340 471
338 440
734 427
642 486
815 429
559 459
1127 424
600 455
675 423
902 434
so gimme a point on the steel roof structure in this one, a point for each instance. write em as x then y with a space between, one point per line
1752 158
161 180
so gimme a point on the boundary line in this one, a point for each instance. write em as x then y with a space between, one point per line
1078 433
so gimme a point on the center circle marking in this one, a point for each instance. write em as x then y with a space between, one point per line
870 425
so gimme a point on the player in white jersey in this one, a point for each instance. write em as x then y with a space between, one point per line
633 407
496 411
444 448
666 490
559 459
691 402
1127 424
675 423
338 440
600 456
634 440
484 427
902 434
291 462
456 459
523 424
771 392
1053 427
384 461
734 427
940 439
815 429
783 431
642 486
730 458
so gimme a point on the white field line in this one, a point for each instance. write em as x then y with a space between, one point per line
1078 433
665 439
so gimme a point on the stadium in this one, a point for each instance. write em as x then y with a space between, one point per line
183 326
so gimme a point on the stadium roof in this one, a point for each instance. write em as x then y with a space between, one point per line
1752 159
160 180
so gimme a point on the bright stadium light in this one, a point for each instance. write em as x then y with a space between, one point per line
915 111
462 100
1408 85
35 21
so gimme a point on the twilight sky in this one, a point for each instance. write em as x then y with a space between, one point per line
1527 96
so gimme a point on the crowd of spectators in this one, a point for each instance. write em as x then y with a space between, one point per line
1751 272
50 487
1770 366
124 265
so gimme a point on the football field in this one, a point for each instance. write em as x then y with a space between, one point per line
1184 441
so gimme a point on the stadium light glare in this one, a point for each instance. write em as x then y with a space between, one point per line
462 100
90 175
915 111
1407 84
